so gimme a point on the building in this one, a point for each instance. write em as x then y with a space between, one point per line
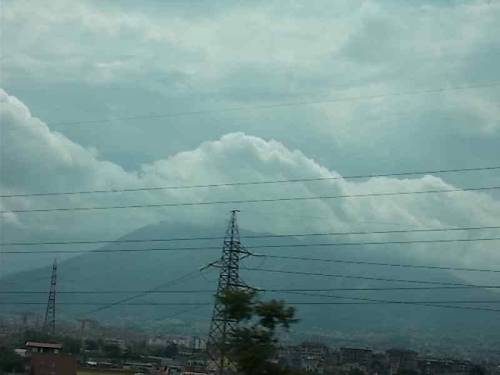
431 366
119 343
314 348
42 347
360 356
402 360
52 364
46 359
199 343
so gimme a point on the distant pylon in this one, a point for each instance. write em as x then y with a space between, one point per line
49 324
25 319
229 278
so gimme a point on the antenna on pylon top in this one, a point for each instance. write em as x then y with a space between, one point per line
49 324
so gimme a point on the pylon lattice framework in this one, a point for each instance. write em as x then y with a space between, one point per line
221 327
49 324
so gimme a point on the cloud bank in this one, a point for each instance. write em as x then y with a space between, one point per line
38 159
87 60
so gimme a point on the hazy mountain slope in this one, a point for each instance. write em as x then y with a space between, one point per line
138 271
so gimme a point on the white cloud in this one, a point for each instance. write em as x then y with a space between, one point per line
265 53
36 159
481 113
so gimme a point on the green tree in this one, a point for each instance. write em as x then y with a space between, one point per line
10 361
407 372
171 350
112 350
477 370
71 345
91 344
253 343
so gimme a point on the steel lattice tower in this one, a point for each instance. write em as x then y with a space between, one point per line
221 327
49 324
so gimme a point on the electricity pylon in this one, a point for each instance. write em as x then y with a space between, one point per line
221 326
49 324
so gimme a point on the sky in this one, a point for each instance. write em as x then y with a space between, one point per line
119 94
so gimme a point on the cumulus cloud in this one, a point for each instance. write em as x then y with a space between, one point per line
37 159
93 60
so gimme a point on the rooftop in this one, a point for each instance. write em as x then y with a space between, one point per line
48 345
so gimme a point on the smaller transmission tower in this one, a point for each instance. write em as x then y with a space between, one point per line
221 326
49 324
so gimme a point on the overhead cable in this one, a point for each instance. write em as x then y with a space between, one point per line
245 201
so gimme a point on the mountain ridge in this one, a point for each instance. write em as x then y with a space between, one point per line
143 271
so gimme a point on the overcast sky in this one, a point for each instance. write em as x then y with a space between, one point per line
321 88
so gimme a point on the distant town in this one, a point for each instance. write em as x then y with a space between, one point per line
91 349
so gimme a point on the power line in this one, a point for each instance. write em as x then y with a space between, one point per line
277 105
100 251
386 288
344 276
122 301
398 303
345 261
388 301
208 248
246 183
402 242
107 304
241 201
183 311
318 234
207 303
438 304
201 291
189 291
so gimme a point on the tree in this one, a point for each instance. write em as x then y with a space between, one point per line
71 345
407 372
171 350
91 344
112 350
253 344
10 361
477 370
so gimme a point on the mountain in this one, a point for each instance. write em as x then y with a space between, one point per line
139 271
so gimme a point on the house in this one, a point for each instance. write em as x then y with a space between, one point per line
42 347
46 359
52 364
360 356
402 360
